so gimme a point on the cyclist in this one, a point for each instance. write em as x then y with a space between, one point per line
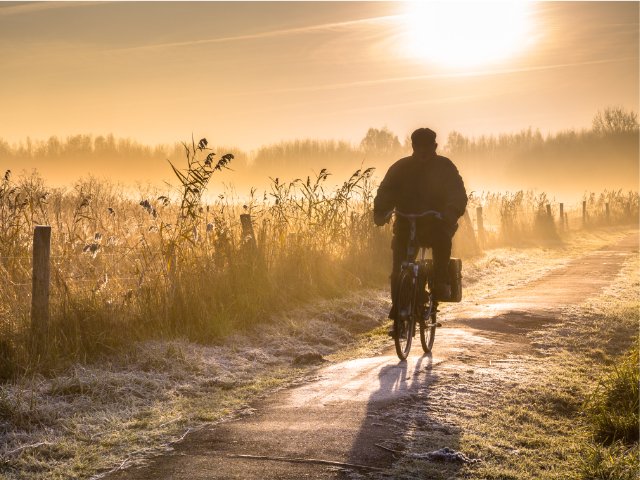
415 184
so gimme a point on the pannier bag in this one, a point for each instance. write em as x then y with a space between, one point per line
455 278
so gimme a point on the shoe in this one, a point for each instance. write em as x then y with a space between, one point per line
392 331
442 292
393 313
392 316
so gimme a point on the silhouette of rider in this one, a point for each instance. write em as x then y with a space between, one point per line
415 184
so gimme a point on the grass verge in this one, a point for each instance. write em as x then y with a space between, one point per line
612 413
565 409
93 417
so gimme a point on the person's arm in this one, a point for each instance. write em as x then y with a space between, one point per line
457 196
385 200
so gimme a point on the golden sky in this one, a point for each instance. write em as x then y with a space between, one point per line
251 73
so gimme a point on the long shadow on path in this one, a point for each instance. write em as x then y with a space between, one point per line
398 410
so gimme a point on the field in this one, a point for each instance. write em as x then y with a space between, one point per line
174 307
113 413
168 314
171 265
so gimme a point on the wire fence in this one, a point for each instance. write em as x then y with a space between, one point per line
94 262
115 274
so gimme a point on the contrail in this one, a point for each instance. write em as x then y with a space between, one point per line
388 106
475 73
30 7
268 34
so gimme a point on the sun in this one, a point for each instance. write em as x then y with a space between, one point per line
466 34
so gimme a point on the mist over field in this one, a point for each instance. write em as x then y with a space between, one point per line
568 163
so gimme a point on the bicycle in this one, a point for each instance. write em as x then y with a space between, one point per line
414 292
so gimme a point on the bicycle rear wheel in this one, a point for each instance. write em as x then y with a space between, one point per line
404 324
428 331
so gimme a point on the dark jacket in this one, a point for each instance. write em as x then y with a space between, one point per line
419 183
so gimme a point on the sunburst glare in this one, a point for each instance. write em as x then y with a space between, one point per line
465 34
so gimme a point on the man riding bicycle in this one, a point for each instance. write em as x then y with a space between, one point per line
421 182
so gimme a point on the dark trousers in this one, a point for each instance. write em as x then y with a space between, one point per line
438 237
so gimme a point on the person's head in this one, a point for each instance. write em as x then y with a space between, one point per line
423 140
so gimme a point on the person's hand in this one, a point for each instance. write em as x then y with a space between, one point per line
380 219
449 217
437 216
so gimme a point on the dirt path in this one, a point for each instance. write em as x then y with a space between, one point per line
350 409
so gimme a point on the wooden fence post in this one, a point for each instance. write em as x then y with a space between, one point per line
170 302
470 233
255 257
562 216
465 239
172 266
480 223
40 287
607 211
549 211
584 213
248 236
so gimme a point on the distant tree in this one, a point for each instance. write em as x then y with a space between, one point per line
5 149
53 147
380 141
406 145
79 145
615 120
456 142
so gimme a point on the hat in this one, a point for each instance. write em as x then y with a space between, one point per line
423 137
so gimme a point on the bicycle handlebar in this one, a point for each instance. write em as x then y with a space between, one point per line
413 216
428 213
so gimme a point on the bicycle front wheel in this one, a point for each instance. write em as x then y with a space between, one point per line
404 324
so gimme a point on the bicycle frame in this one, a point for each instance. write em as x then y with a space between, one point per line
415 261
417 301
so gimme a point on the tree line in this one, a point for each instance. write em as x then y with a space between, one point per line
607 152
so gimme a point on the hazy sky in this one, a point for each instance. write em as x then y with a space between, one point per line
249 73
